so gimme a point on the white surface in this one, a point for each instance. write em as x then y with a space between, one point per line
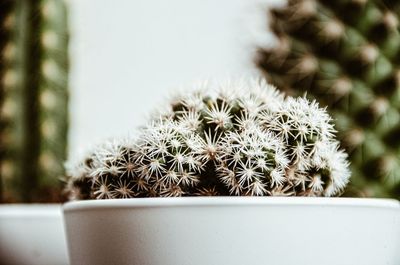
198 231
128 55
32 235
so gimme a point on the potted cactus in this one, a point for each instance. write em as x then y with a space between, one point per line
252 169
33 132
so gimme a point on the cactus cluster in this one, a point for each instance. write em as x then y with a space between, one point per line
346 55
33 99
240 138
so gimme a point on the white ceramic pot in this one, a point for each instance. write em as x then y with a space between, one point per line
32 234
234 230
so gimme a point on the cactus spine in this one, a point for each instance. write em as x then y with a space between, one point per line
246 139
34 99
346 54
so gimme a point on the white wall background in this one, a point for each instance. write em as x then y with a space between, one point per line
127 56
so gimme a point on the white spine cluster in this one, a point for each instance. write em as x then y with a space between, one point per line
167 158
246 139
252 162
107 172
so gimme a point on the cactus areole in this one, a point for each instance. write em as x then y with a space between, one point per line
239 138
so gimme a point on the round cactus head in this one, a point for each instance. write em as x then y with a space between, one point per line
238 139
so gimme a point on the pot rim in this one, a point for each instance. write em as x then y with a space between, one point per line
22 210
229 201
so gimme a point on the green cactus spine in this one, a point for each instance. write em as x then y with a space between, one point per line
346 54
34 99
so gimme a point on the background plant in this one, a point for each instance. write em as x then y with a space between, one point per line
33 99
242 139
346 54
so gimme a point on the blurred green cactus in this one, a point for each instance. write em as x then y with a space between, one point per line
346 54
33 99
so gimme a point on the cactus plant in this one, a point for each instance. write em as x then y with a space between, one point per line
346 54
33 99
244 139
